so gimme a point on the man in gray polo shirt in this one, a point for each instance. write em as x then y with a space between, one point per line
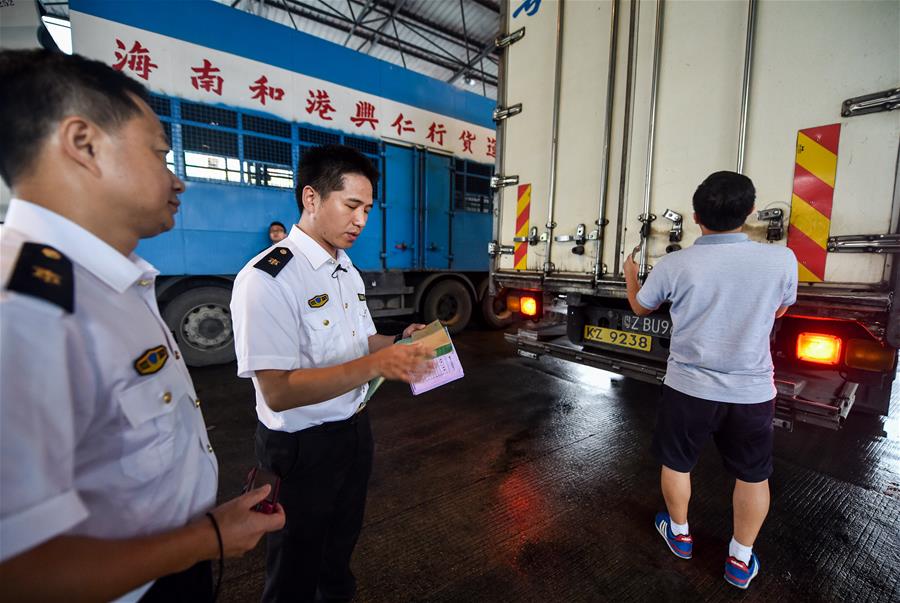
726 292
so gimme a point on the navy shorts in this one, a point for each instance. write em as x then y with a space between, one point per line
743 433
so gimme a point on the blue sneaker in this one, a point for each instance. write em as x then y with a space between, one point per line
682 545
738 573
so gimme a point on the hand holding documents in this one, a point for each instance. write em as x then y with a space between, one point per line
446 365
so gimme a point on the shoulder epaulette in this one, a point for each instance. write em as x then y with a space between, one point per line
275 260
43 272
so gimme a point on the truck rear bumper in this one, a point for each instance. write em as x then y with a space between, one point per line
790 405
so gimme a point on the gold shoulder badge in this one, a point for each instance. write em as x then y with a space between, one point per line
152 360
361 297
318 301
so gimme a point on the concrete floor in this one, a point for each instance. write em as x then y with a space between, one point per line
533 481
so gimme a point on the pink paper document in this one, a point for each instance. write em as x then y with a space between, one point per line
446 369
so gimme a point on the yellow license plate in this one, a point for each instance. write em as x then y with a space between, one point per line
634 341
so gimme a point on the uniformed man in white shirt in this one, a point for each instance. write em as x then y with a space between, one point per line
108 477
304 335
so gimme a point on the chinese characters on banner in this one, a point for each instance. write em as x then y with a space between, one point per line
436 130
137 59
467 139
405 126
319 102
205 80
261 90
209 78
365 113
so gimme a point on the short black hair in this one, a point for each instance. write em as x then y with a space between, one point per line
277 223
38 88
323 168
724 200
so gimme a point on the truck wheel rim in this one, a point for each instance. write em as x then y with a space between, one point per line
207 327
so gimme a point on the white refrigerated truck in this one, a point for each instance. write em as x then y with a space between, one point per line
611 112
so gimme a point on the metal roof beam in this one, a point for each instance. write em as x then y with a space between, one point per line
358 20
412 20
488 4
374 42
345 24
486 50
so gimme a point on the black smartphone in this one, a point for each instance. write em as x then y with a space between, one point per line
259 477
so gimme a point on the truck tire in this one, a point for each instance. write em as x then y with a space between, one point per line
201 320
448 301
494 311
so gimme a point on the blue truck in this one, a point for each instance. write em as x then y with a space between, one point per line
241 99
423 251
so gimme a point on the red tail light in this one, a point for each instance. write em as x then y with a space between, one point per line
820 348
528 306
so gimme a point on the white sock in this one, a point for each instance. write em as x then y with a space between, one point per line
679 529
739 551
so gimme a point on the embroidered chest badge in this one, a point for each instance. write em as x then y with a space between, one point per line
318 301
152 360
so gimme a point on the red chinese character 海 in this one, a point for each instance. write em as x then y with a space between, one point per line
319 102
467 138
436 130
262 91
205 78
492 147
365 112
405 126
137 59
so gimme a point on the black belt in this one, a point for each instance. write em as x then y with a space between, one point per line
337 425
329 426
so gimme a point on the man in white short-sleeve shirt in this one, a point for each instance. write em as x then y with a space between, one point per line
107 471
304 335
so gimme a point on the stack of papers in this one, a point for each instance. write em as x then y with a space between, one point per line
447 367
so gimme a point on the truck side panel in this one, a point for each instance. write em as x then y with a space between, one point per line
582 108
810 57
531 64
807 59
697 111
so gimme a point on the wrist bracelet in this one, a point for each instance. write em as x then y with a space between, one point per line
215 524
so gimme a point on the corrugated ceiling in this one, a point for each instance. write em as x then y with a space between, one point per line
450 40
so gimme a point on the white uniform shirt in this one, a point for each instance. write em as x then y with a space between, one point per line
89 445
286 322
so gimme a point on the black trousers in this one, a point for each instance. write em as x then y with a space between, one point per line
193 585
324 473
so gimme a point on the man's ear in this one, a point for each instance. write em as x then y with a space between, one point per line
309 196
696 219
79 140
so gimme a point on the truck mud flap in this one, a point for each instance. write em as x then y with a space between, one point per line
553 342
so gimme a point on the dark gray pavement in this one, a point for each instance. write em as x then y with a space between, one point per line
533 481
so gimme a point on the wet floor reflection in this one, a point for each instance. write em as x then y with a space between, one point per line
533 481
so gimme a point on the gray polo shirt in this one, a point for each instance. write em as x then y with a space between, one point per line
725 291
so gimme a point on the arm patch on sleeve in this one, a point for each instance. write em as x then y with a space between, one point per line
43 272
275 260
